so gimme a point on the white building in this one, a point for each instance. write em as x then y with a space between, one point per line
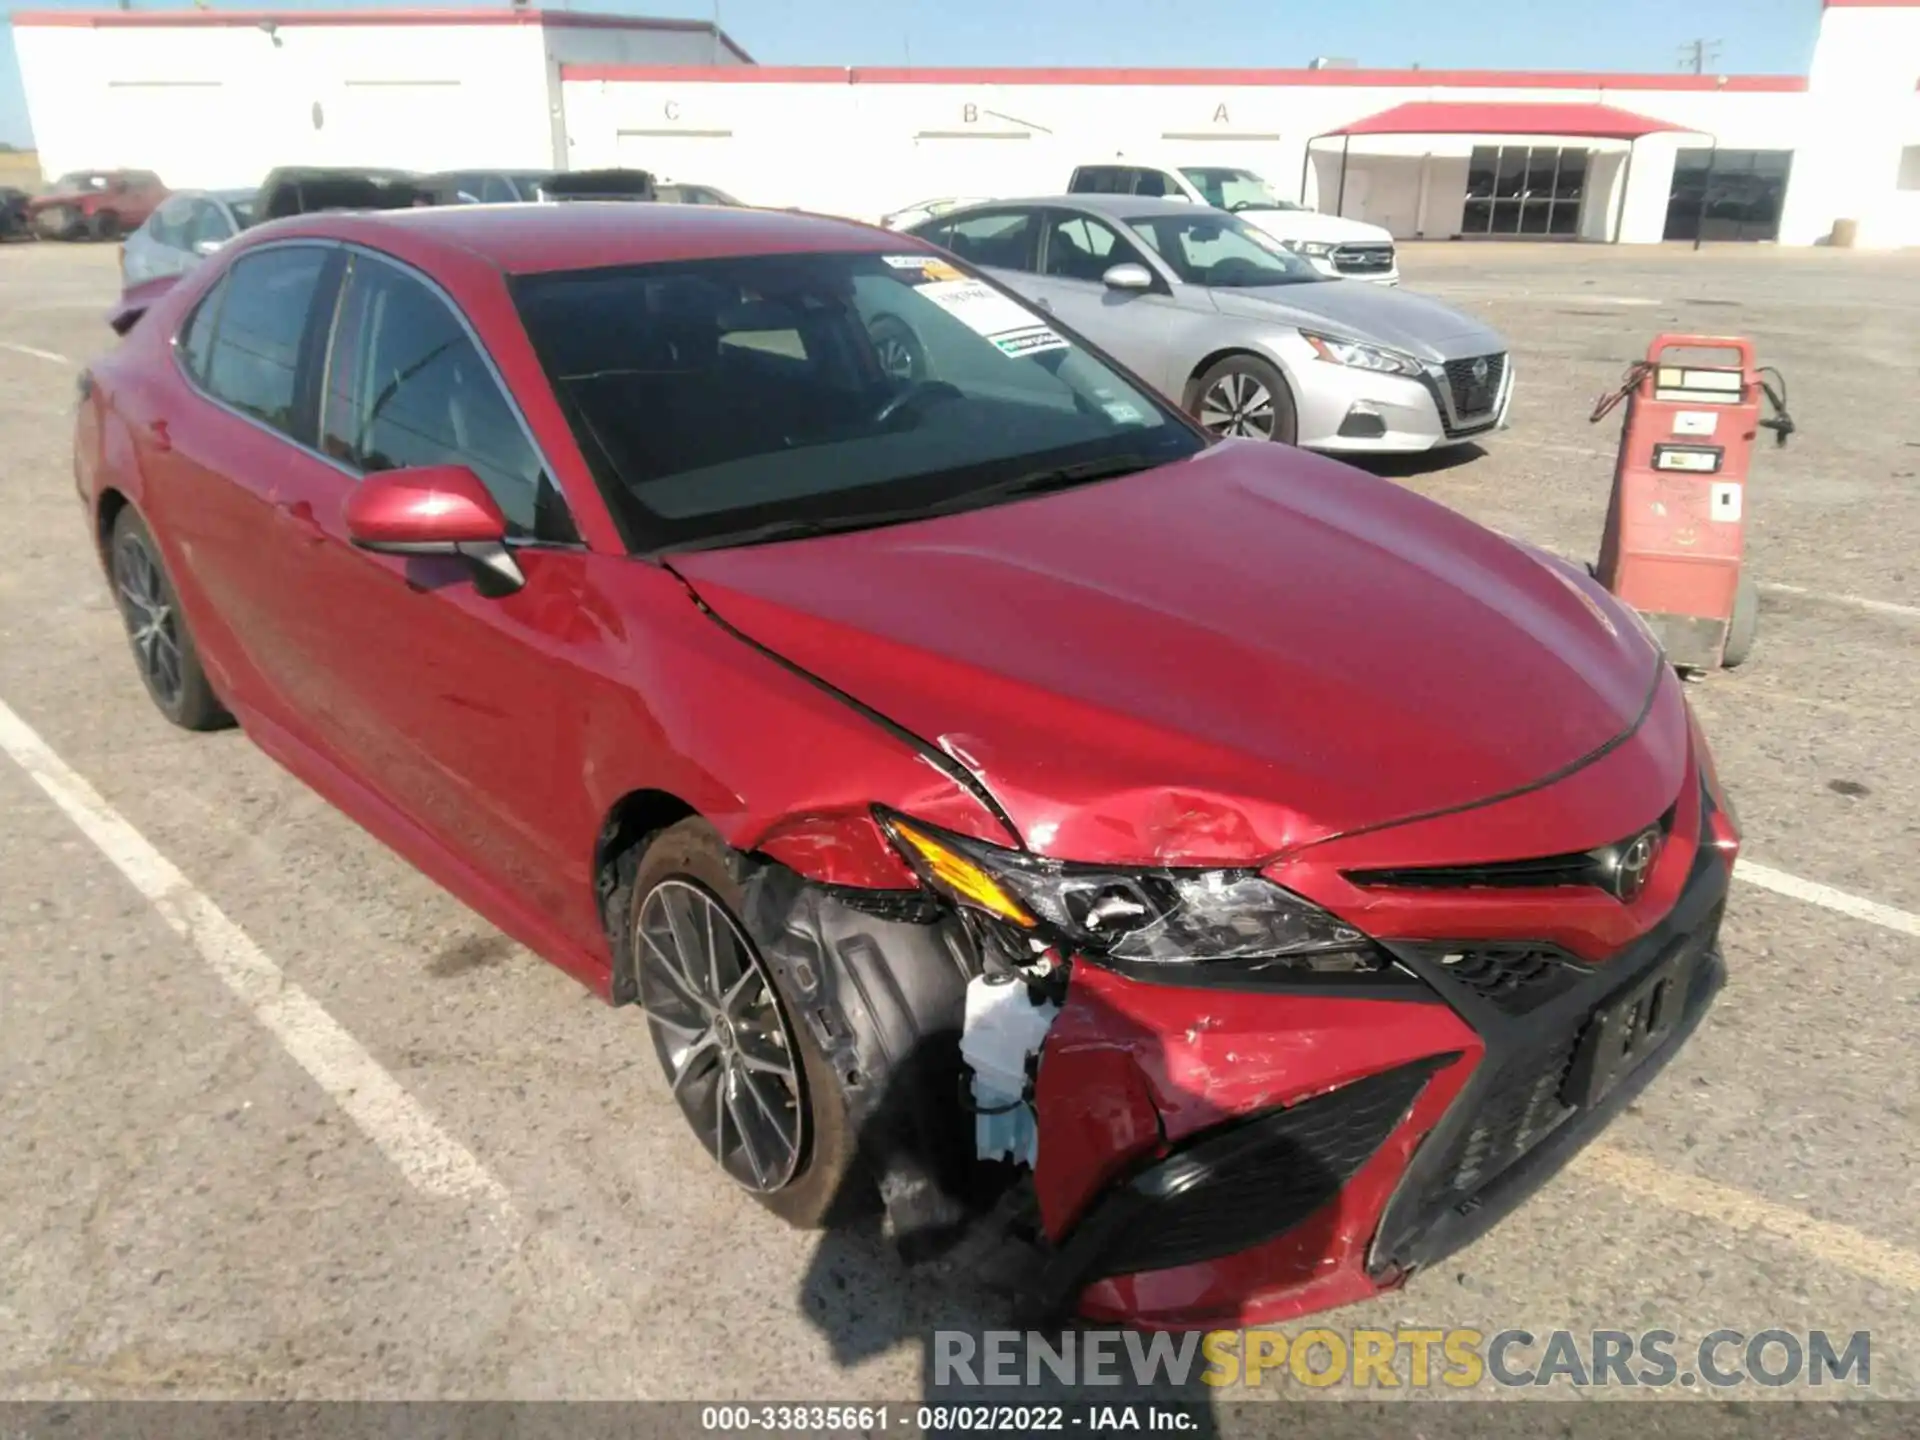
213 97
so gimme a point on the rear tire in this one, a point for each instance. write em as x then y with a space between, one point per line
1745 625
1245 397
163 646
733 1066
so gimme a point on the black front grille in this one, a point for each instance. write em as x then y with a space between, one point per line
1475 385
1251 1181
1363 259
1594 868
1517 978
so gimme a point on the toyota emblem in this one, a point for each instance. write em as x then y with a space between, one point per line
1480 371
1635 864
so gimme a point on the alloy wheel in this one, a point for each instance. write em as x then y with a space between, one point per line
1237 404
895 358
721 1035
151 620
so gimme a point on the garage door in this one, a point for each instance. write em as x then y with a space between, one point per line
402 124
692 157
178 129
990 164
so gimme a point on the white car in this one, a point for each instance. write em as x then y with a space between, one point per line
924 210
1337 247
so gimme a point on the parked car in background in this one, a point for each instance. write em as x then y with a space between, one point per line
533 187
680 192
1334 245
303 189
1248 336
1320 869
923 210
14 221
188 226
96 204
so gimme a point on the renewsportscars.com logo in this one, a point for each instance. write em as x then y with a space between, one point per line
1405 1358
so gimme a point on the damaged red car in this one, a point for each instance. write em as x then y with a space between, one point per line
1242 877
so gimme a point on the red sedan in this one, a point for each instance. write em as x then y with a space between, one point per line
985 785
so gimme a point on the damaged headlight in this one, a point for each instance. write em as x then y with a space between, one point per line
1142 917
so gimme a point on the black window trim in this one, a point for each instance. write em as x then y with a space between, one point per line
1120 232
329 277
318 335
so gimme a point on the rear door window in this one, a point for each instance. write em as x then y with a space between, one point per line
253 360
1099 180
408 387
997 239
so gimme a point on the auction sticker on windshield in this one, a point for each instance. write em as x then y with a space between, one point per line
931 267
1013 330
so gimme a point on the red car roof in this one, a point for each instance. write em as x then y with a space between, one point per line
530 239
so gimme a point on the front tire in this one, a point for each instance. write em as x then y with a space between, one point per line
751 1082
1244 397
163 645
105 226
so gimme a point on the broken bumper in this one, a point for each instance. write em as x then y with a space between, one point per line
1212 1158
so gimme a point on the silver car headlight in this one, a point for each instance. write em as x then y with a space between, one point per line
1356 356
1146 917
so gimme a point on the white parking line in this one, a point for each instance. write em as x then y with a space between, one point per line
1879 607
432 1160
1827 898
36 352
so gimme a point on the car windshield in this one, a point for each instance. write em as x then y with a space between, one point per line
1236 189
757 398
81 180
1208 248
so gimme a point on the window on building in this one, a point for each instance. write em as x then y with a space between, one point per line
1727 194
408 388
1521 190
254 359
1909 168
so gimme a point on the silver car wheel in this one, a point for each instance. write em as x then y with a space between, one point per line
720 1035
1237 404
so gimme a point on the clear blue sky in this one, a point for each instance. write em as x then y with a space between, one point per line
1756 36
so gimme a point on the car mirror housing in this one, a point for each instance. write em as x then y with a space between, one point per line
435 510
1128 277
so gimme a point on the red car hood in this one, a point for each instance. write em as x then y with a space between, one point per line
1216 660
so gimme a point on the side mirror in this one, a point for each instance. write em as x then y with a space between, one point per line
1128 277
434 510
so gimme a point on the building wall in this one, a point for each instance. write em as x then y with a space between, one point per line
863 143
1864 90
219 98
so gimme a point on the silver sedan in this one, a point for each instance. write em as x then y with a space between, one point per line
183 230
1250 338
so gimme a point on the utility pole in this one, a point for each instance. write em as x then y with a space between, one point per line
1696 55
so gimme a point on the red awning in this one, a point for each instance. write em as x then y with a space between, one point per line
1493 117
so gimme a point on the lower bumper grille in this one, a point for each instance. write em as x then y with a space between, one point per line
1363 259
1233 1187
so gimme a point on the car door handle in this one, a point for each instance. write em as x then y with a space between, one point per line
298 517
162 438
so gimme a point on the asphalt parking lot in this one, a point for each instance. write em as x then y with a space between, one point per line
282 1119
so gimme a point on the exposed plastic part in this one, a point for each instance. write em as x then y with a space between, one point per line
885 1000
1006 1024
